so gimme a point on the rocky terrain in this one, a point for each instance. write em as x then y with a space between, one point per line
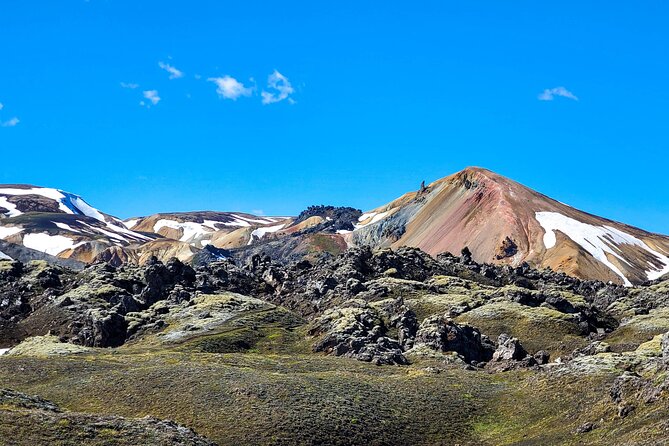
381 346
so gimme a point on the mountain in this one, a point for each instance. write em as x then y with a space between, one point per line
205 227
502 221
499 220
60 224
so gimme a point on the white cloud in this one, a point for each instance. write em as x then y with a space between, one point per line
258 212
281 89
151 95
1 106
174 73
230 88
550 93
130 85
11 123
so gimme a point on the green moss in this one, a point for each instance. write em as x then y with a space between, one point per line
47 346
430 304
638 329
538 328
264 399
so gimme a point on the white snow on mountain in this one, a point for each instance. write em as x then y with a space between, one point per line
131 223
4 256
64 226
258 220
11 207
370 218
191 230
598 241
49 244
53 194
69 204
260 232
8 231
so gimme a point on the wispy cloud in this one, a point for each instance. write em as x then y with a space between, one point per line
550 93
11 123
2 106
129 85
258 212
174 72
279 87
230 88
151 96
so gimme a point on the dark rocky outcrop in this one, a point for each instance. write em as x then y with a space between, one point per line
356 331
336 218
442 334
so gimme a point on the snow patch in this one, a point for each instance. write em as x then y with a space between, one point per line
4 256
49 244
110 234
364 217
85 208
191 230
238 223
598 241
261 221
8 231
211 224
131 223
260 232
11 207
64 226
4 350
375 217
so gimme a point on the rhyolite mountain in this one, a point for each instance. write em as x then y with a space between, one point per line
499 220
502 221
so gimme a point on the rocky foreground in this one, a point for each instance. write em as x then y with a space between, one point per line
380 347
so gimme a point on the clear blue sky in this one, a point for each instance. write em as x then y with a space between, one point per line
373 97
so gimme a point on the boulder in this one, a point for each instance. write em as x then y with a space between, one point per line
508 349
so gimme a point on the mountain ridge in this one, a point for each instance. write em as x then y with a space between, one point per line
498 219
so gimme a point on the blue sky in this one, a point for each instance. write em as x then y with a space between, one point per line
275 106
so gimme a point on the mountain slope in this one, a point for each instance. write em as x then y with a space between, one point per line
502 221
60 224
204 227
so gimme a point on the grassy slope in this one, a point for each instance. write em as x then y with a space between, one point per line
263 399
253 380
252 398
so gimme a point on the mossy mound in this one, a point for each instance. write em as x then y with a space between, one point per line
259 399
46 346
638 329
538 328
30 420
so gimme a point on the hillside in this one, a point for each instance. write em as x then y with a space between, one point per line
380 347
502 221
